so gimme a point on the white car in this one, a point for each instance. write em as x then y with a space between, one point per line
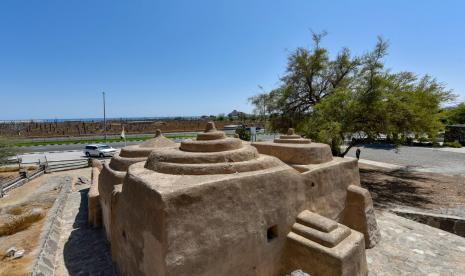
99 150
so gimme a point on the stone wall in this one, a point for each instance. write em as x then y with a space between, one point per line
451 224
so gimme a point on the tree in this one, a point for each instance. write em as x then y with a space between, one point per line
221 117
352 97
7 149
454 115
400 106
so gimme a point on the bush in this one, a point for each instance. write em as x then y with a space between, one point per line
455 144
243 133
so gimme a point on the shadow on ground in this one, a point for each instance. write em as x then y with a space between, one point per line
395 188
86 252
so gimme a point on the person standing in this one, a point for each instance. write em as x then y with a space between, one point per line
357 153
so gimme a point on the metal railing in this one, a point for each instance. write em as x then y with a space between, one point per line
24 175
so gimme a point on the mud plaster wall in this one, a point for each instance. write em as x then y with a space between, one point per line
108 178
220 228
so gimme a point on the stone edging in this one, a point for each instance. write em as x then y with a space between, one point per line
44 263
451 224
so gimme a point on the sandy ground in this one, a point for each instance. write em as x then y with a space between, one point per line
38 193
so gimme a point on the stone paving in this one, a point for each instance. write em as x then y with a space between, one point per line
82 250
411 248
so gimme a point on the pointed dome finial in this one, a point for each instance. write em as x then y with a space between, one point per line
290 131
210 127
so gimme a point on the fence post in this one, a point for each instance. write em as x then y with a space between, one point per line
46 164
23 173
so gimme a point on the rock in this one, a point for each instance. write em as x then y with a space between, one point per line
10 252
299 272
18 254
82 180
14 253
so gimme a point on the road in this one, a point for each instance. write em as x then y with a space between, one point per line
56 148
437 160
73 147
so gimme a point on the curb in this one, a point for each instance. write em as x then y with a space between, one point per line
45 152
381 164
451 224
45 260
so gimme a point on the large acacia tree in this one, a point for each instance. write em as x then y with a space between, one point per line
330 100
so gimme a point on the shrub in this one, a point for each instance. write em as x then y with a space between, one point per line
243 133
455 144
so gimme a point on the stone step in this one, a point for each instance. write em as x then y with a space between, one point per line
330 239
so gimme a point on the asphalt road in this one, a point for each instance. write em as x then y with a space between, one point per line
437 160
54 148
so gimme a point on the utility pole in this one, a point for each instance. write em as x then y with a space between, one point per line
104 118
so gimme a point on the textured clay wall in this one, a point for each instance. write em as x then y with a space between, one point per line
218 224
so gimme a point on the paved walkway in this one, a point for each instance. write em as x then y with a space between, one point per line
412 248
82 250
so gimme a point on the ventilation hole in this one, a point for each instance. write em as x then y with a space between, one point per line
272 233
124 234
313 184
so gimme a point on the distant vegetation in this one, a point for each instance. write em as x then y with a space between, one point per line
328 99
454 115
92 128
455 144
7 149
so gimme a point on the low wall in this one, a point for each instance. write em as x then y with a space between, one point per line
45 260
451 224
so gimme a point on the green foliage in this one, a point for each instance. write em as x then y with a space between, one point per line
92 141
352 97
455 115
7 149
243 133
455 144
221 117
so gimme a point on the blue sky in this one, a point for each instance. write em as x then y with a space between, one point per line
169 58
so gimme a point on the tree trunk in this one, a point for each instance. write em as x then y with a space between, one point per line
351 144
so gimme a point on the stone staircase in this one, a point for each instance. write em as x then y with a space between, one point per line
312 229
325 247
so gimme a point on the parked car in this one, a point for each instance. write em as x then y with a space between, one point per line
99 150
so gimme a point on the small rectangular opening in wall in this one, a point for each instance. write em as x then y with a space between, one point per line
272 233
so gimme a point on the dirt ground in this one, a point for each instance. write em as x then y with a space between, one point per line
38 193
412 189
9 173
